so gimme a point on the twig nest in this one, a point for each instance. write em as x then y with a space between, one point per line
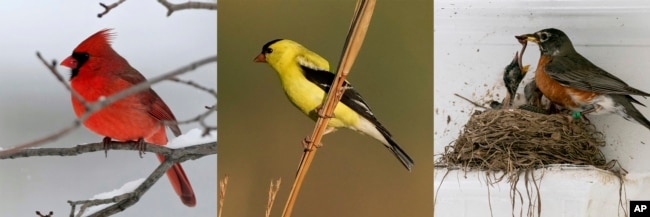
511 139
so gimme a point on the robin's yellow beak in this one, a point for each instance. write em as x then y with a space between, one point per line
524 69
527 37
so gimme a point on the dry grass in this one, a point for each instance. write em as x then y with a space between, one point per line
273 191
222 193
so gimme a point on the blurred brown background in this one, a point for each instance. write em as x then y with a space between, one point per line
260 132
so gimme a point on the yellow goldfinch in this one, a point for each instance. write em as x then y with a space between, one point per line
306 79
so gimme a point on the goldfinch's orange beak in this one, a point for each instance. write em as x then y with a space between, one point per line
260 58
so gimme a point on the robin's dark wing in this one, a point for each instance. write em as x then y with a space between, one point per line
350 98
580 73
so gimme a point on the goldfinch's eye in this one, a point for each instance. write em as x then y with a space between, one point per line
268 50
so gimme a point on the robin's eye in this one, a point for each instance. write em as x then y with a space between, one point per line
543 36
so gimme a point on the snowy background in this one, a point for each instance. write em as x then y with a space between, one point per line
33 104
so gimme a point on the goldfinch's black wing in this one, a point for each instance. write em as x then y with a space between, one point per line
353 99
350 98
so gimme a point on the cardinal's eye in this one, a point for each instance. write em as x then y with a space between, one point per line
81 58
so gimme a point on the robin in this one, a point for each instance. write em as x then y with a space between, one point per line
512 76
568 79
533 99
533 94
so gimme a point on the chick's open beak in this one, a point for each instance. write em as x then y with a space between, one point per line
260 58
527 37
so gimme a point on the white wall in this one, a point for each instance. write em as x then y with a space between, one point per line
474 41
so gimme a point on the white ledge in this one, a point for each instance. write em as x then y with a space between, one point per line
565 190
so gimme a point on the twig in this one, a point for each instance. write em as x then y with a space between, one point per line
470 101
222 193
273 191
354 40
171 8
44 215
52 68
96 106
108 8
194 84
199 118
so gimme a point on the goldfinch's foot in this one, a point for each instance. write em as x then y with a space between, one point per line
107 143
321 112
329 130
306 141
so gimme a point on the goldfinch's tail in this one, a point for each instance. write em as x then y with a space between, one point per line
397 151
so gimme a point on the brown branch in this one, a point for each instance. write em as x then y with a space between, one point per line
353 42
171 7
108 8
96 106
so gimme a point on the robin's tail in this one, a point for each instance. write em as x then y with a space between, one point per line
181 184
630 112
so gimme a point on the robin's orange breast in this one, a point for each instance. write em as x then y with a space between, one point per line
564 96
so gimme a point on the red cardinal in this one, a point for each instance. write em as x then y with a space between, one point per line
98 71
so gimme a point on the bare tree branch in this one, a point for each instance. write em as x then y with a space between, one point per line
193 152
123 201
52 68
96 106
201 117
172 156
108 8
171 8
194 84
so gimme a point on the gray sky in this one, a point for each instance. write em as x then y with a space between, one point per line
33 103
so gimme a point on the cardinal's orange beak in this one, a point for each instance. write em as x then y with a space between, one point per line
260 58
70 62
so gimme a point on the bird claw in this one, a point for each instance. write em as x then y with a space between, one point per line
141 146
107 144
305 143
321 112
